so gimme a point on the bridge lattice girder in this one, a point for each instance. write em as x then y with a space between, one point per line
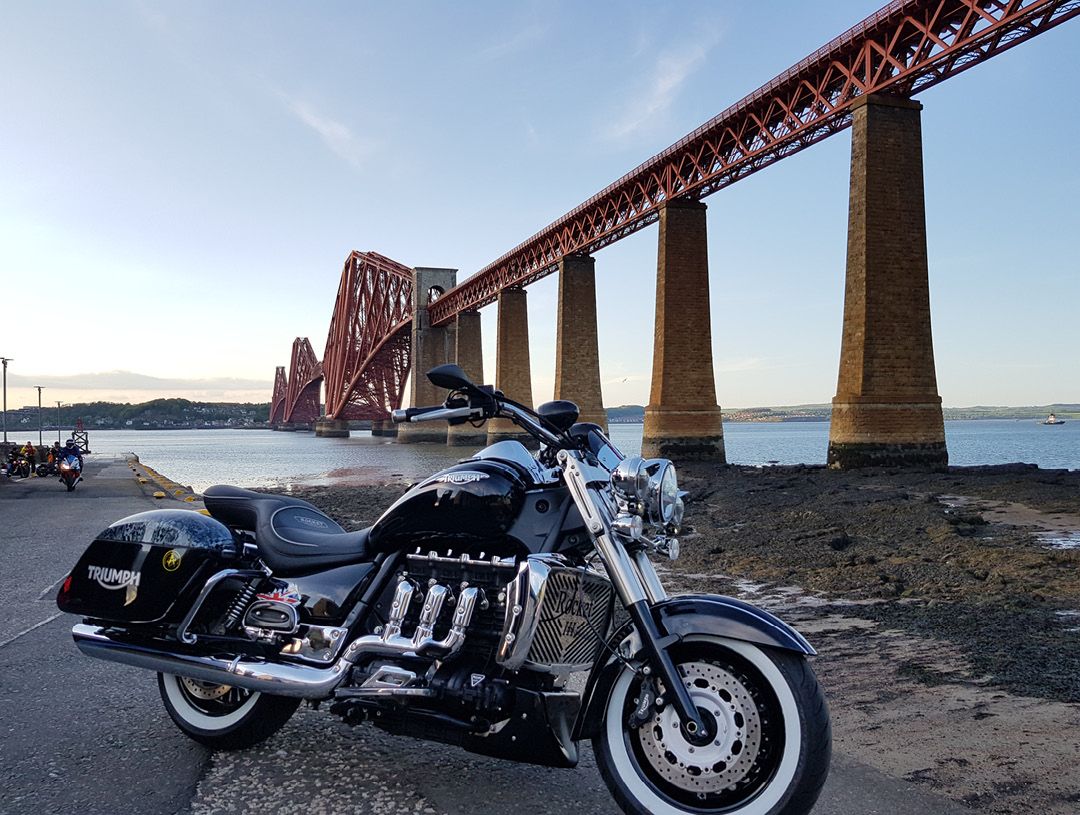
277 403
368 350
906 46
304 383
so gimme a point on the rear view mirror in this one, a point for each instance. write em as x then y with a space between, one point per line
450 377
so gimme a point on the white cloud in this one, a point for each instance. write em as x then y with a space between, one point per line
338 137
518 42
670 73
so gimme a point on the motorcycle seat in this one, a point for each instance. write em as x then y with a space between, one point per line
293 535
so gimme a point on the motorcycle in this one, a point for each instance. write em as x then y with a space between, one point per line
47 468
22 467
465 615
70 472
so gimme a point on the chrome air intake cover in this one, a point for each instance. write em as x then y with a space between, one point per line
557 617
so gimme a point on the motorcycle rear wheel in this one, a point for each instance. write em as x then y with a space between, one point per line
223 717
773 739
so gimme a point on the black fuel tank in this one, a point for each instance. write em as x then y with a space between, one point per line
474 502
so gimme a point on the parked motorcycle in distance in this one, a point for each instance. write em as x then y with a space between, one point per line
70 472
461 616
46 469
22 467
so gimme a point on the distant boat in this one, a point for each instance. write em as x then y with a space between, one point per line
1052 419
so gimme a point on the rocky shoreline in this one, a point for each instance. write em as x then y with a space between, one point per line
945 607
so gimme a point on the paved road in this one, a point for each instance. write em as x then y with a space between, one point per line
84 737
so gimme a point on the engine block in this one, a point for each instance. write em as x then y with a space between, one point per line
457 573
540 613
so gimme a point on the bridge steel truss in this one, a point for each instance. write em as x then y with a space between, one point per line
368 349
304 384
903 48
277 403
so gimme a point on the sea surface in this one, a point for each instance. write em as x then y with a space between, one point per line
265 458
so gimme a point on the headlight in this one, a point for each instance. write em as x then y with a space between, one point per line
651 485
663 493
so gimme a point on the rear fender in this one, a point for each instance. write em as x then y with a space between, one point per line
678 618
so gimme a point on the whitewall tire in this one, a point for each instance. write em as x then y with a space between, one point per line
772 745
221 716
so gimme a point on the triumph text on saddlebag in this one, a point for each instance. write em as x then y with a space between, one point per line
144 566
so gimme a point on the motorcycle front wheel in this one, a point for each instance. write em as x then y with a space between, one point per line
223 717
771 746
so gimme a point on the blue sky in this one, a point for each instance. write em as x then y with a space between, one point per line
191 178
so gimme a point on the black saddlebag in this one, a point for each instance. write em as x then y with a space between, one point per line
138 569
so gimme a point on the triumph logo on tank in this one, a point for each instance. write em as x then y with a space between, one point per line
112 579
461 478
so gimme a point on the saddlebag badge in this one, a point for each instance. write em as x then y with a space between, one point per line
113 579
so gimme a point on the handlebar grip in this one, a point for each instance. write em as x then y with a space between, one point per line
406 415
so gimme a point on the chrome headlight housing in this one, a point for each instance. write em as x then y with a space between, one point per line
631 480
650 488
663 493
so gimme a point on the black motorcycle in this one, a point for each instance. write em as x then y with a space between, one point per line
463 616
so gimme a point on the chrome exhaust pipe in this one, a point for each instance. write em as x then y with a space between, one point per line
286 679
276 678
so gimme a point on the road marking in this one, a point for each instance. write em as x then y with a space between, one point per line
50 587
31 628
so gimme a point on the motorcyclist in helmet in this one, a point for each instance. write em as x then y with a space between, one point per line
72 449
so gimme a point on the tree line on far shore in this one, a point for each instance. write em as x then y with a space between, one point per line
155 414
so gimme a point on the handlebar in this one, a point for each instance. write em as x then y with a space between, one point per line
505 408
433 414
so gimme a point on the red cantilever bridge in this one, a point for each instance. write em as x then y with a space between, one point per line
906 47
367 356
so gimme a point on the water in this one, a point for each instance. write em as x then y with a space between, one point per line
263 458
970 442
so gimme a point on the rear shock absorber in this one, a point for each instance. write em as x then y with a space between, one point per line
239 603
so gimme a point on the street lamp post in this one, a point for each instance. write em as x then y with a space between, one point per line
39 424
5 360
58 420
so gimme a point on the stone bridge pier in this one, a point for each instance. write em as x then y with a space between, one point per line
431 346
469 355
577 352
887 411
683 420
513 375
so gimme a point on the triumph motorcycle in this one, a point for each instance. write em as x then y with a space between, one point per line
507 605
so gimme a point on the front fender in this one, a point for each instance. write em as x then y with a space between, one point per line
681 617
727 617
